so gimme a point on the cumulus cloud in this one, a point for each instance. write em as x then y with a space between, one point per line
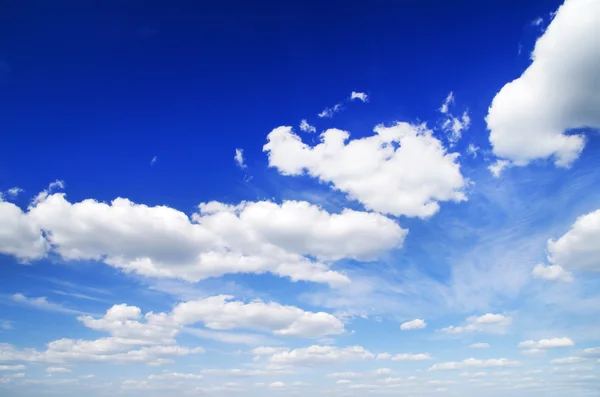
413 324
305 127
531 117
401 170
360 96
494 323
221 313
480 345
578 249
552 272
473 363
546 343
315 355
294 239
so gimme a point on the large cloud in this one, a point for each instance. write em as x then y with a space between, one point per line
401 170
579 248
294 239
531 116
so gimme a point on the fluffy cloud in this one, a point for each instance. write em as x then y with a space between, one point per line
578 249
401 170
546 343
411 357
360 96
480 345
305 127
413 324
315 354
531 116
20 236
239 158
473 363
294 239
220 313
494 323
552 272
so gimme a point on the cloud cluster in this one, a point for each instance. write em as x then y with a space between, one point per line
294 239
401 170
316 354
531 117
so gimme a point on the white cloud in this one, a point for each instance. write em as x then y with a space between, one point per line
480 345
304 126
494 323
153 161
384 356
220 313
411 357
552 272
347 375
12 367
473 363
472 150
315 354
329 112
568 360
452 124
20 236
58 370
546 343
174 376
14 191
538 21
42 304
294 239
413 324
578 249
239 158
401 170
533 351
473 374
530 117
359 95
497 167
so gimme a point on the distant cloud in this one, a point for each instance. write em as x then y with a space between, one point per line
329 112
538 21
305 127
42 304
153 161
480 345
547 343
414 324
499 166
6 325
452 124
239 158
472 150
14 191
359 95
494 323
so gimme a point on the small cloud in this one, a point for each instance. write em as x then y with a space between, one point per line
239 158
153 161
538 21
413 324
445 106
499 166
14 191
472 150
53 186
480 346
359 95
552 272
329 112
58 370
304 126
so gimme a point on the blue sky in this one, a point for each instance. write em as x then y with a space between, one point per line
300 199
